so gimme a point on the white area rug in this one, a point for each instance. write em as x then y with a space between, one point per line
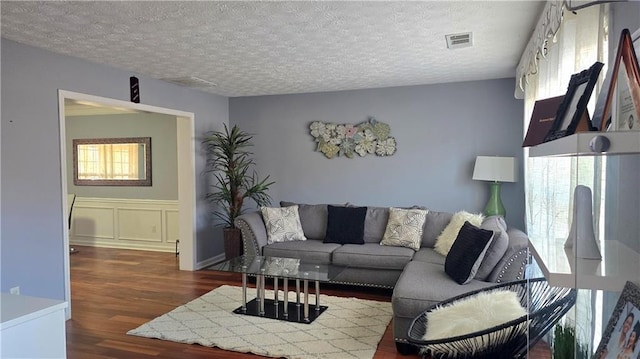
349 328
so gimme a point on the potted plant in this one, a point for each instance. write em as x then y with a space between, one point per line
565 345
231 163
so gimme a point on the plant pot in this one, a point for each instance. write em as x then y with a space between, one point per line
232 243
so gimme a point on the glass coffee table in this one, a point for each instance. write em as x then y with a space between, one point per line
286 269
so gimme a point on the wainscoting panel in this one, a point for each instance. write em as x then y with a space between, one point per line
173 225
137 224
125 223
93 221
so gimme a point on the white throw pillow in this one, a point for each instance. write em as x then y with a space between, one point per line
282 224
450 232
478 312
404 228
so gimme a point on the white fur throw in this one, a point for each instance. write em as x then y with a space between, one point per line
479 312
450 233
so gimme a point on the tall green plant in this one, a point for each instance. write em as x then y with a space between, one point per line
231 162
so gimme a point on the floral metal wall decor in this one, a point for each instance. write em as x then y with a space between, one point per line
369 137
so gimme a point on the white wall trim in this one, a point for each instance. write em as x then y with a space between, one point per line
103 222
210 261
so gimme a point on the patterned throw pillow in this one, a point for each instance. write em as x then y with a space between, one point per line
450 233
404 228
283 224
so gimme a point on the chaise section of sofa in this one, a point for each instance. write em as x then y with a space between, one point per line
424 283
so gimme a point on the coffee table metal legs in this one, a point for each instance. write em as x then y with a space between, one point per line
285 306
275 292
261 293
306 300
317 295
262 307
244 292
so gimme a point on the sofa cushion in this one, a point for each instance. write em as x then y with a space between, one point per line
434 224
467 253
448 236
313 218
375 224
498 246
404 228
429 255
372 255
422 285
345 225
309 250
283 224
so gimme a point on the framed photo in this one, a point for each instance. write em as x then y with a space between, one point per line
620 110
542 117
623 331
574 104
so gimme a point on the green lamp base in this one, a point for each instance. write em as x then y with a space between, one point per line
494 206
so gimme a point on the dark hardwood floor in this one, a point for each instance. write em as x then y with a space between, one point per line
115 290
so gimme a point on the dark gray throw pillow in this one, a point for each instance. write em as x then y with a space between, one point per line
467 252
345 225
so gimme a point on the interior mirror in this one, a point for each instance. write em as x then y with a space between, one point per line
112 161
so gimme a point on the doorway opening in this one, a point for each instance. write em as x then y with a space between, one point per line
185 147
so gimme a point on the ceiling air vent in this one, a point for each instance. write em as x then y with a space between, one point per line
456 41
190 81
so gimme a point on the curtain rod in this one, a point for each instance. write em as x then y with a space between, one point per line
567 4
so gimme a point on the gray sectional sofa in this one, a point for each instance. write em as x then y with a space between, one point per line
418 278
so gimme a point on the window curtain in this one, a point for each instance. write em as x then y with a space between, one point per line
580 40
116 161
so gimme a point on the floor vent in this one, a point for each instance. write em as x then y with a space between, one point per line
456 41
190 81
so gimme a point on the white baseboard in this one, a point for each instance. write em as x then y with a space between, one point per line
210 261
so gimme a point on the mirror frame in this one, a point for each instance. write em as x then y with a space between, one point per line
113 182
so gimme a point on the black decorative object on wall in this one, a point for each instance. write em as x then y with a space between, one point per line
134 86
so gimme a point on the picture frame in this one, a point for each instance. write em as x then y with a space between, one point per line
573 107
615 338
542 118
621 108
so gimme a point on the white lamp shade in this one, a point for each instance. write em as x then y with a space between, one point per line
491 168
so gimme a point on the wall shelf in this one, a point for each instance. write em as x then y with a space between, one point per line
619 264
622 142
616 211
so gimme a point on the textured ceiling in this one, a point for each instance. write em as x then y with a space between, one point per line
261 48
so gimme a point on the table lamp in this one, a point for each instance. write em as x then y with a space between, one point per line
496 170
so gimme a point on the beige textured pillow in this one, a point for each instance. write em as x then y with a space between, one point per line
404 228
283 224
450 233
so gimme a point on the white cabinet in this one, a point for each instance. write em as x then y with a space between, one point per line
32 327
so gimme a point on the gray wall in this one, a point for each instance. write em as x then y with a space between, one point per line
440 129
164 150
32 251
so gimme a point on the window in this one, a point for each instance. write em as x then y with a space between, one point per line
110 161
549 182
